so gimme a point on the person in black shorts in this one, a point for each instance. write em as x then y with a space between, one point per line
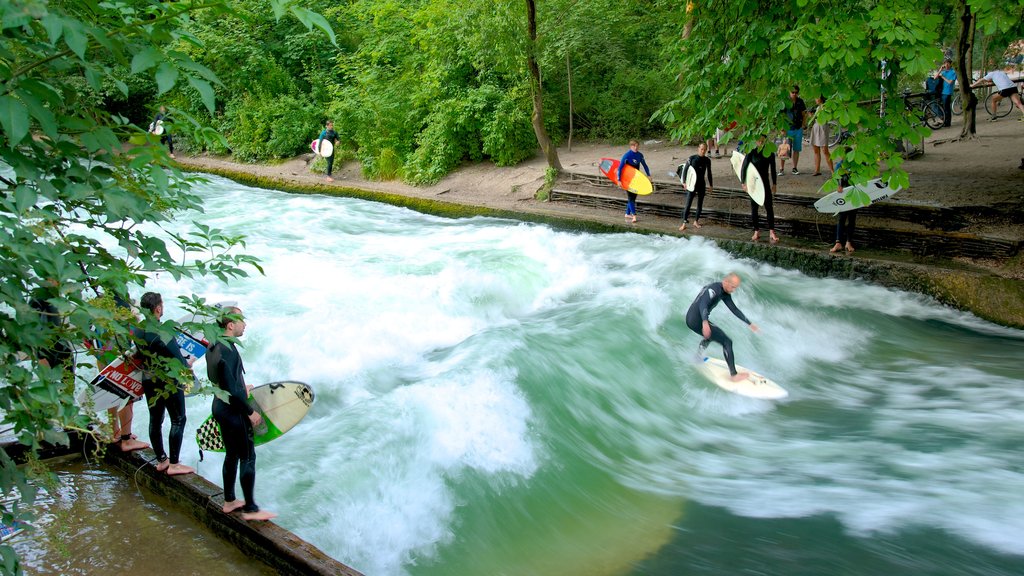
697 319
235 417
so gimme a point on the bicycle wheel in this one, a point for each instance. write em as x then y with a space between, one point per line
932 118
957 105
1004 107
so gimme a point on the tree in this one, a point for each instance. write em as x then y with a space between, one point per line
550 152
741 57
81 214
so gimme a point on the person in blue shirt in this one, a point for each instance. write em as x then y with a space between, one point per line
948 76
635 159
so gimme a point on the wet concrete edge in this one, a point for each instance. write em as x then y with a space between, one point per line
280 549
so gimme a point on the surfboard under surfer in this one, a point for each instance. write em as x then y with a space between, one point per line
697 319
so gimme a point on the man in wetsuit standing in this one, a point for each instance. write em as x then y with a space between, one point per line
331 136
697 319
235 417
702 165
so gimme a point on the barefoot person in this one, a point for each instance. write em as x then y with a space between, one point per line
163 392
846 222
105 351
701 164
236 418
634 158
765 166
331 136
697 319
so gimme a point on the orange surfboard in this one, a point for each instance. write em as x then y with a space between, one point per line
632 179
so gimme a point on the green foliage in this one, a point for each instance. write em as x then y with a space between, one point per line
741 59
80 217
262 128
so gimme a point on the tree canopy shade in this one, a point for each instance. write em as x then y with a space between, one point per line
80 215
740 59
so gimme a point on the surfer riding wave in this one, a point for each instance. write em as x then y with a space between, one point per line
700 310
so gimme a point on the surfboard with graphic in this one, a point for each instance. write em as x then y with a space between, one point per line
281 404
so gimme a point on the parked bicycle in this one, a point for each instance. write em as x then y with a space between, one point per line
836 134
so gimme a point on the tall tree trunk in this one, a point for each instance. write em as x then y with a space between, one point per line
964 50
550 152
568 75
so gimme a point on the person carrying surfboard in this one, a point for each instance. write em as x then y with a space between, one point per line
331 136
701 165
846 221
235 417
162 394
634 158
700 310
765 166
158 128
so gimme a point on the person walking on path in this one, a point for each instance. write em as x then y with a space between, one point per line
163 392
331 136
1007 89
697 319
634 158
948 76
765 166
701 164
819 140
235 417
159 127
796 115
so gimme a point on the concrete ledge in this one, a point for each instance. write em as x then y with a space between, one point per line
280 549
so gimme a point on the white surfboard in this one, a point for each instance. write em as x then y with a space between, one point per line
754 386
755 187
837 202
326 148
158 129
691 179
282 405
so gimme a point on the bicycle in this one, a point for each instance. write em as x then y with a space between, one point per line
1003 108
957 104
836 134
931 113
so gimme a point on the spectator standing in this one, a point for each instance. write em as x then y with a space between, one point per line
796 115
819 140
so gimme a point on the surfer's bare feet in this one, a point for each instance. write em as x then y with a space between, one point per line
682 227
849 248
772 237
230 507
163 465
329 179
261 515
836 248
738 377
633 220
696 224
179 469
756 236
131 445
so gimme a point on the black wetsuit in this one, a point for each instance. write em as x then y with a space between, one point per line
153 349
332 137
765 167
225 369
846 222
165 138
59 354
702 165
699 311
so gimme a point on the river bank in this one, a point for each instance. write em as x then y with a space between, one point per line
978 177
